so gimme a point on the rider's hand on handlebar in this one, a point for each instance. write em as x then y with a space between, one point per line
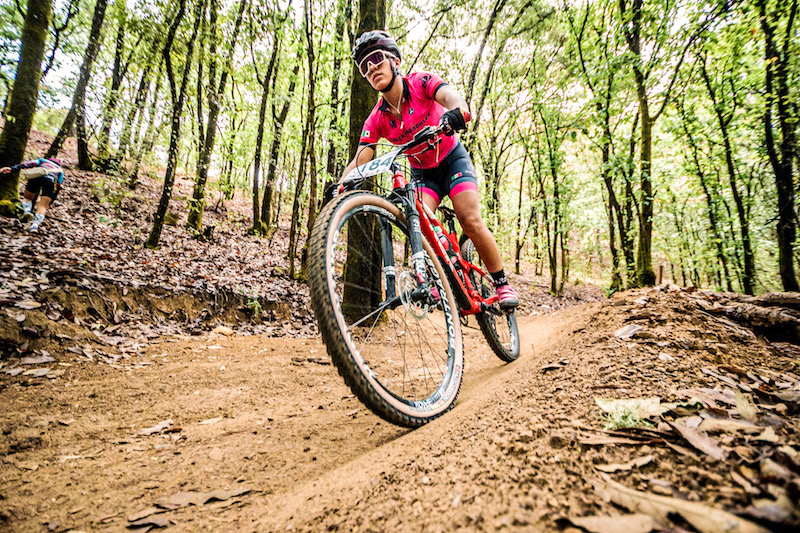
453 121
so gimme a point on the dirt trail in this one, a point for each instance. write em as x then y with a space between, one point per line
269 425
486 380
267 413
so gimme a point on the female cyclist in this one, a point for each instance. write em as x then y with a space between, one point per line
408 104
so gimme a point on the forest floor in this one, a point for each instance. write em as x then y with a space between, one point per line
186 388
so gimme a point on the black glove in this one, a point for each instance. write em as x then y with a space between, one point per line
453 121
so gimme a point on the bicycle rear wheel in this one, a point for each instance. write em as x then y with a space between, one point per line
397 345
498 327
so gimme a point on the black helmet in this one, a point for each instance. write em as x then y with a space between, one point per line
374 40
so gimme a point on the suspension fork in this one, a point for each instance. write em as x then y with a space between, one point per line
388 257
409 196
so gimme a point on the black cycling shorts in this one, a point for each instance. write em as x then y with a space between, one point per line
454 174
44 186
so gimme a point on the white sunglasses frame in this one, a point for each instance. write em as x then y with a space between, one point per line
386 55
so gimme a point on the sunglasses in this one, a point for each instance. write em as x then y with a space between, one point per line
374 59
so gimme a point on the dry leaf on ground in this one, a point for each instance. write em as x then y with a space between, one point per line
639 407
638 462
701 441
632 523
747 409
183 499
158 428
703 518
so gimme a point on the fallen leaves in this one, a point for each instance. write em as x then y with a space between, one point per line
632 523
625 467
701 441
158 428
638 407
184 499
153 516
28 305
702 517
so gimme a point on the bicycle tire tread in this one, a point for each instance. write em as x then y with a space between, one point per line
332 336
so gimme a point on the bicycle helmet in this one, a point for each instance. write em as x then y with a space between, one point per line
372 40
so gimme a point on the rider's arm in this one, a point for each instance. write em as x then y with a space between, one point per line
450 99
27 164
363 155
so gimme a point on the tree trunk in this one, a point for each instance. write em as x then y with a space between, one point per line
275 151
744 224
195 220
79 97
259 225
298 190
178 97
778 75
144 147
362 278
518 241
343 16
136 112
22 102
710 200
312 189
113 94
84 159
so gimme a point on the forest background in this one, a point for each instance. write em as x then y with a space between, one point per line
618 142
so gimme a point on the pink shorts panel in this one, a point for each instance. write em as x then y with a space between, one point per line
463 186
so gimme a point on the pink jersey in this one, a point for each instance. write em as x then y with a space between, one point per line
419 109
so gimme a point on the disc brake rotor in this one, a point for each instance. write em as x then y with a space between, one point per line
406 284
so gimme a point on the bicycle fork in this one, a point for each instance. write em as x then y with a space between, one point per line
407 196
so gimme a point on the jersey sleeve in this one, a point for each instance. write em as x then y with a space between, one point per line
371 133
27 164
430 83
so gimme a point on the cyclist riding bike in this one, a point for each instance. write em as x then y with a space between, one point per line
408 104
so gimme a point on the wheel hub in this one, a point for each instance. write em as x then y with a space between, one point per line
415 305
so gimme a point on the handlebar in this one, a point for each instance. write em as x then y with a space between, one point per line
428 135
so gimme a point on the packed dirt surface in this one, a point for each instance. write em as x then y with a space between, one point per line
254 433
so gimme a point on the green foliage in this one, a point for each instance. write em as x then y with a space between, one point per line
555 94
624 418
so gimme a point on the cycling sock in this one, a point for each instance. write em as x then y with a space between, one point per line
27 205
499 278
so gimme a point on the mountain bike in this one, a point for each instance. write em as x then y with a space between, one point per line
390 286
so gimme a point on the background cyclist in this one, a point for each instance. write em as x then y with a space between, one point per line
45 177
408 104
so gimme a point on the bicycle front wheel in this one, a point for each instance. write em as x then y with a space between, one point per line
499 327
396 343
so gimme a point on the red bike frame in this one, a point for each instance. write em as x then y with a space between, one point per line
461 272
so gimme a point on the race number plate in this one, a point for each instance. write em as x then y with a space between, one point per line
376 166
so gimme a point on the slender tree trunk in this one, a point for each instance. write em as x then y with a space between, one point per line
275 151
518 241
22 102
79 97
195 220
298 191
312 189
778 70
178 97
136 112
744 224
84 159
113 94
146 145
342 18
259 225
